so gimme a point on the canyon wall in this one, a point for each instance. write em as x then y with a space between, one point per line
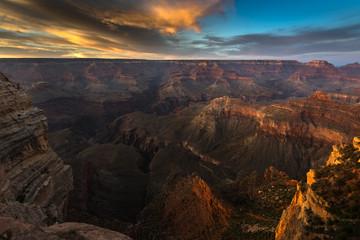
230 133
99 90
34 181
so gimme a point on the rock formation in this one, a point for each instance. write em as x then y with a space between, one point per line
327 205
34 182
193 211
187 210
293 136
11 228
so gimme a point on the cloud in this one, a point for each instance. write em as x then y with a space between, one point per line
154 29
165 16
114 27
297 42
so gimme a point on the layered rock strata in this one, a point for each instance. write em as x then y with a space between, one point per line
314 119
230 133
34 182
100 90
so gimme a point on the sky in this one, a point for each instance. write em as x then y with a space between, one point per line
181 29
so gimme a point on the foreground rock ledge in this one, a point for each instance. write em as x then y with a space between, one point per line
13 229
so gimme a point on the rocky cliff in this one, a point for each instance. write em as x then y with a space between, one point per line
327 205
34 182
236 135
314 119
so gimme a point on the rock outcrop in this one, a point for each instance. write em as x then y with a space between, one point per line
34 182
192 211
11 228
186 210
326 206
314 119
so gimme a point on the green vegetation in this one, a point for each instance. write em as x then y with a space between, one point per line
261 213
339 186
316 223
350 154
240 235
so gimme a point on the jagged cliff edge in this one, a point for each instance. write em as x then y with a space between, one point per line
326 206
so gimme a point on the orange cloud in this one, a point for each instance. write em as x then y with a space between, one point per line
102 28
74 37
168 17
173 16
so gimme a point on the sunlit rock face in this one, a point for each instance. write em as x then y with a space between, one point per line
34 181
236 135
326 206
187 209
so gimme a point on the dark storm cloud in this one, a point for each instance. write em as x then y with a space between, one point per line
60 14
301 41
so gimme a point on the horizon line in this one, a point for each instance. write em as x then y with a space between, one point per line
168 60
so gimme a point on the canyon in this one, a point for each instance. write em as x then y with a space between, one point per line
172 149
100 90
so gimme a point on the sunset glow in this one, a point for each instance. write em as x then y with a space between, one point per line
174 29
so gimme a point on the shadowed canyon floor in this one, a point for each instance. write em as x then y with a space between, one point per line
153 144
